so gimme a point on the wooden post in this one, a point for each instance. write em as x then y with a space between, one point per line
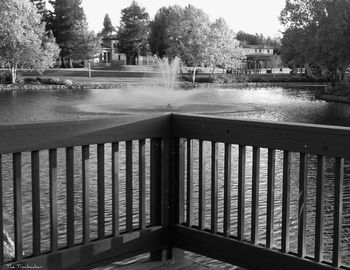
89 64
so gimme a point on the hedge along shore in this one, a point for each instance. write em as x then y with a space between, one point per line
45 87
179 85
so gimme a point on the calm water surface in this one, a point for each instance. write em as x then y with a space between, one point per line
273 104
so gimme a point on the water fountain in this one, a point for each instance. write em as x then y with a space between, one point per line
166 96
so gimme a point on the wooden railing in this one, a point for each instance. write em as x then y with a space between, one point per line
221 188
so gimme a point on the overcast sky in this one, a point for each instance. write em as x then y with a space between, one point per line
251 16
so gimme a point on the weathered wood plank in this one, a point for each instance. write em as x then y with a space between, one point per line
227 189
175 180
338 211
156 181
189 190
302 205
142 184
270 197
1 217
53 199
100 191
214 186
181 187
17 199
319 222
241 192
101 252
115 189
70 195
85 172
129 186
255 195
28 137
36 202
306 138
202 185
240 252
286 201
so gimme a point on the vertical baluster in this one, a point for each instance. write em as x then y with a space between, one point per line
129 185
86 195
255 195
175 179
319 222
36 202
214 186
70 195
286 201
338 211
53 199
227 189
101 190
156 181
189 202
115 188
201 180
270 197
181 181
241 191
302 206
1 218
142 184
17 199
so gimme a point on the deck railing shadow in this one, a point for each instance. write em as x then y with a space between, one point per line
179 181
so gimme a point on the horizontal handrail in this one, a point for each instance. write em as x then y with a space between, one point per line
39 136
296 137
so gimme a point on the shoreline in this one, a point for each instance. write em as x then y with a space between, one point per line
78 85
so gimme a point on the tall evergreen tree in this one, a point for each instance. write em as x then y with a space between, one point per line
108 27
133 32
67 14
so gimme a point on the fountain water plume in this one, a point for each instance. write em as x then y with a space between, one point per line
169 70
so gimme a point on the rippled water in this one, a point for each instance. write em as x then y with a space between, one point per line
273 104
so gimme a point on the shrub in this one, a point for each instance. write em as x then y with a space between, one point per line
5 78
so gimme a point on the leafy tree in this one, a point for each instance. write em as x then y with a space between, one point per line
248 38
163 39
23 40
108 27
133 32
67 15
85 44
223 49
47 15
317 34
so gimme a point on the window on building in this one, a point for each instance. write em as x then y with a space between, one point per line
260 50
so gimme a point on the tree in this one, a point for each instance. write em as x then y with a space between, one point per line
47 15
162 41
23 40
317 34
133 32
223 49
249 39
108 27
85 44
67 15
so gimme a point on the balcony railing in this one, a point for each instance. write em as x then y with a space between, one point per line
256 194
